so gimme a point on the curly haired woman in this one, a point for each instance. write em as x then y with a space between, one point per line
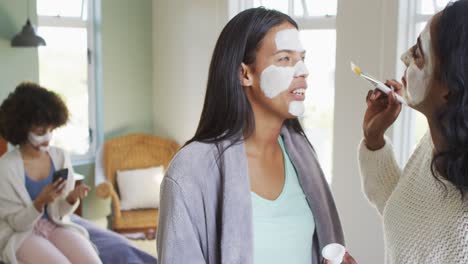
34 209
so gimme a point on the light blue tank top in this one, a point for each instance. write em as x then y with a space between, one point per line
283 228
35 187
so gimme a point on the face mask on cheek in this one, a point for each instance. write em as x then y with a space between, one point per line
275 80
418 79
37 141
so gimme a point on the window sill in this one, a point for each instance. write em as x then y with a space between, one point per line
79 161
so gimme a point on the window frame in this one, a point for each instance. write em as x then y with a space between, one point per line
309 22
77 22
404 128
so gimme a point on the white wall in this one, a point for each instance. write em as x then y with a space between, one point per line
184 35
366 34
127 67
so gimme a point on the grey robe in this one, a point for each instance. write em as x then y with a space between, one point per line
206 217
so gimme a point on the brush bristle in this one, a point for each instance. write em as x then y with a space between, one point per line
355 68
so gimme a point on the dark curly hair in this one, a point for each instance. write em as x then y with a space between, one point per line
451 48
28 106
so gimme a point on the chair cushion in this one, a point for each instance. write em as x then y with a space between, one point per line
139 188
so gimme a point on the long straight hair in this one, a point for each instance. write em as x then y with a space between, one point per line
227 113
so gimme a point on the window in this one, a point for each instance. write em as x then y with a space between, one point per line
413 125
430 7
66 66
316 21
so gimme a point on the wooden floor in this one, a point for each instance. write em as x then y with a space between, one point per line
148 246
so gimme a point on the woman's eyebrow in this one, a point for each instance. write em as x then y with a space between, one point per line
290 51
284 50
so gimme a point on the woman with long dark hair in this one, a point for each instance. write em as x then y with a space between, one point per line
424 206
247 188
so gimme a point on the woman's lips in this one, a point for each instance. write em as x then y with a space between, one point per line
403 78
298 94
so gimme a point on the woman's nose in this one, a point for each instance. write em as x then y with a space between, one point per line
406 58
300 70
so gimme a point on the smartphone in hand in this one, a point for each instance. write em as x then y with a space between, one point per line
63 173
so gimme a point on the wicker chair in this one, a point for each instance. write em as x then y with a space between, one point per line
134 151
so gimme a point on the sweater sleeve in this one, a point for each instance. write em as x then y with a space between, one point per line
379 173
177 239
20 217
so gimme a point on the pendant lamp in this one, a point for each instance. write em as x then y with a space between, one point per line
27 37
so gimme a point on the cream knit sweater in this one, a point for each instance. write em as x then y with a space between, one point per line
423 223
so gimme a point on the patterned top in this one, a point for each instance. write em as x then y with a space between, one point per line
424 222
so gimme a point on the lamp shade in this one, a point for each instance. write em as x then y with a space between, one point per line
27 37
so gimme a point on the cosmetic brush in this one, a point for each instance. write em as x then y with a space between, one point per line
377 84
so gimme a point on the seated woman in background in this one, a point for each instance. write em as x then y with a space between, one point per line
34 210
424 206
248 188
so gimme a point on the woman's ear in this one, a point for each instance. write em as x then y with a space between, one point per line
442 91
246 75
445 93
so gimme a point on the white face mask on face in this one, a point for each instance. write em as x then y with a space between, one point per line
37 140
418 80
296 108
275 79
